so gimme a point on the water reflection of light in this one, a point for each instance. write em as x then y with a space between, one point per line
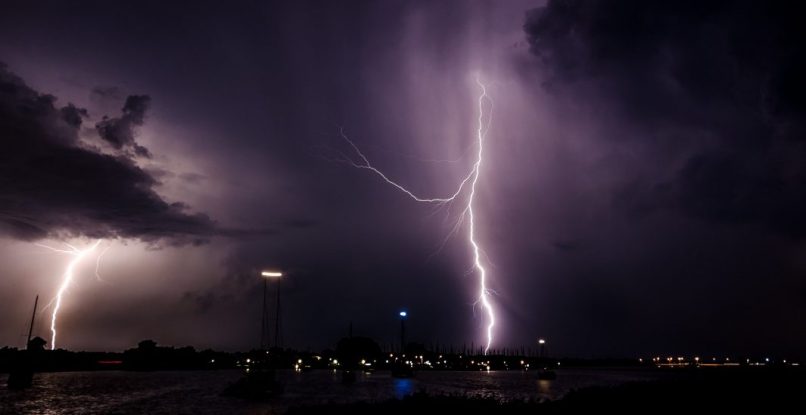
403 387
544 387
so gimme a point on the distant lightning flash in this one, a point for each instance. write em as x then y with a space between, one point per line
67 279
471 178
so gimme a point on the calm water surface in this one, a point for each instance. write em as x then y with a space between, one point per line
199 392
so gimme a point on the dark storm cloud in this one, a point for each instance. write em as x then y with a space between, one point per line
636 207
73 115
119 132
53 185
724 76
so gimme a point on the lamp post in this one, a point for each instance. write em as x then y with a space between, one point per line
263 332
542 343
403 315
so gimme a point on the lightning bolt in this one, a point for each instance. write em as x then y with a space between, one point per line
484 292
484 121
67 279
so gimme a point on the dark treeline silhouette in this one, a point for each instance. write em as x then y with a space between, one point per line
146 356
351 353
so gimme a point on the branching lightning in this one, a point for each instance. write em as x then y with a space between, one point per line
470 179
67 279
365 164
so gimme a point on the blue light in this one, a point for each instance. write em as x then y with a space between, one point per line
403 314
403 387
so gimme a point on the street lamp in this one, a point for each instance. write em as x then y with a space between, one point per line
270 275
403 315
542 343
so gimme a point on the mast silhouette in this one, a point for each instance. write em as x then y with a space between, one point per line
31 327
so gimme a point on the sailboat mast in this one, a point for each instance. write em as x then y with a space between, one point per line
31 327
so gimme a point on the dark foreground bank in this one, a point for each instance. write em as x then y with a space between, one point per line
745 389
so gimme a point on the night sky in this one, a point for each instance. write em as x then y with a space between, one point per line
643 189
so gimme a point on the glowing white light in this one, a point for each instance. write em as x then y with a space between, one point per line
403 314
472 177
271 274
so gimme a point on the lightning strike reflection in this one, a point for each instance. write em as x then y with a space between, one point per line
469 181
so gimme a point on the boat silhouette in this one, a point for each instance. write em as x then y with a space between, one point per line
21 375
